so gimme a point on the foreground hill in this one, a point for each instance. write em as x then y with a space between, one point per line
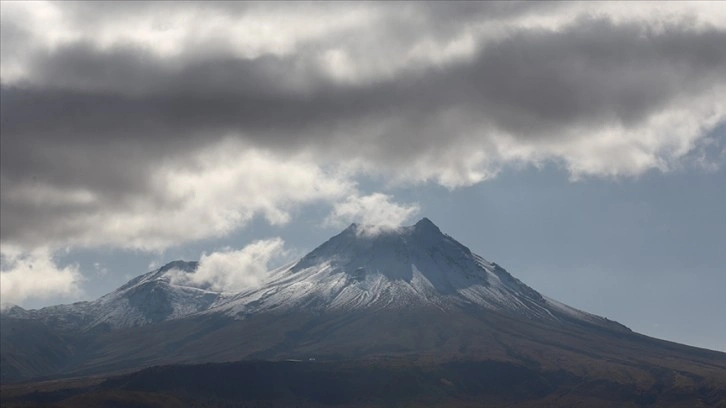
364 383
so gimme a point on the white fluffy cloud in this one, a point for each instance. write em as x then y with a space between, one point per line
375 211
234 270
209 194
36 276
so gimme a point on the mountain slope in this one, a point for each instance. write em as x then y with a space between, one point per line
412 294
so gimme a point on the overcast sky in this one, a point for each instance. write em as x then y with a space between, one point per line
580 145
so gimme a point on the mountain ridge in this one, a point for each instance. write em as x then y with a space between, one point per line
362 266
145 299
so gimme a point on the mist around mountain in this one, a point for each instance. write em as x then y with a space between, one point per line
373 315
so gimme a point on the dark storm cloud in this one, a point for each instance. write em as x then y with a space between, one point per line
103 118
526 84
435 15
592 72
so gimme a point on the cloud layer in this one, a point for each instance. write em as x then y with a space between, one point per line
206 194
376 210
233 270
36 276
147 125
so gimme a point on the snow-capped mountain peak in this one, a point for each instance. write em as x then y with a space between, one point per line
147 298
164 273
394 253
364 268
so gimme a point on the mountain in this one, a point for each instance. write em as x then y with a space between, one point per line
409 295
414 267
361 268
146 299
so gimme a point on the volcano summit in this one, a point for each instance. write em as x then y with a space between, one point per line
407 268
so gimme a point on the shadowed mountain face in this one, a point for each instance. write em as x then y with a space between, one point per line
412 294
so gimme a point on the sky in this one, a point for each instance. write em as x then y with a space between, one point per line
582 146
